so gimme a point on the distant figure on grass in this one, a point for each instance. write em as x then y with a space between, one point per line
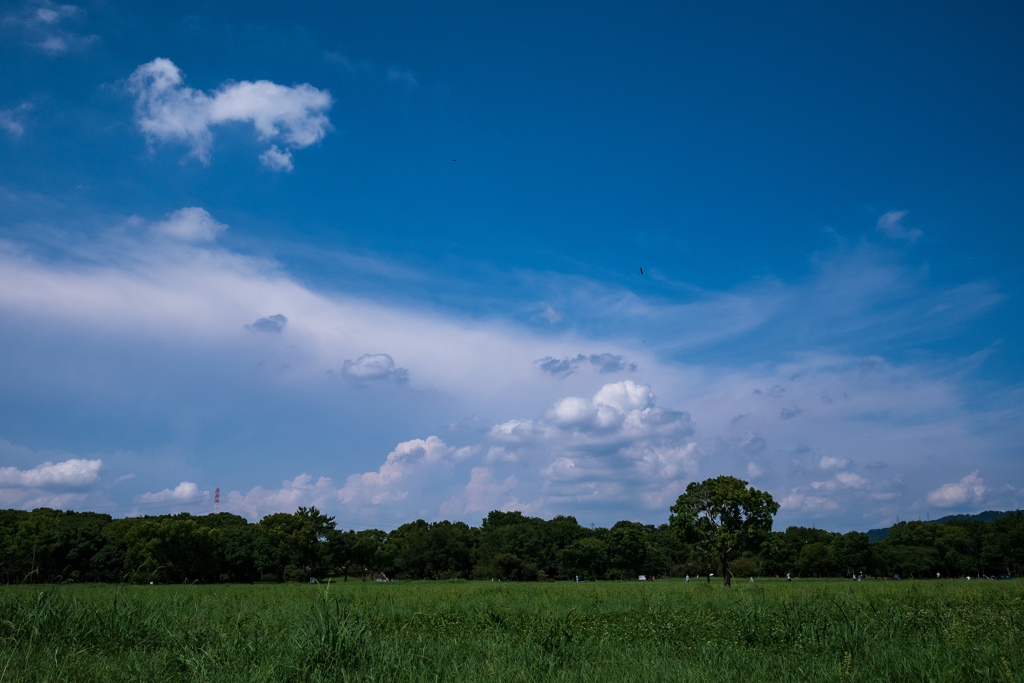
687 578
723 517
788 577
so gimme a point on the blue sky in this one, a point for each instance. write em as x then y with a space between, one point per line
385 258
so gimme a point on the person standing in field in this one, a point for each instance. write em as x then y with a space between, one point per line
788 577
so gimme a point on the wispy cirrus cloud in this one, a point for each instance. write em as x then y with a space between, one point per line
51 28
13 120
891 225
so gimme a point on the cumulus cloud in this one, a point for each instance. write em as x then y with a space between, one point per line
970 489
829 463
604 363
374 366
580 456
481 494
72 473
891 225
12 120
412 463
850 479
473 423
276 160
301 491
801 502
273 324
185 491
616 446
191 224
168 110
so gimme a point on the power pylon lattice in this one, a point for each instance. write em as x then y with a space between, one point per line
216 501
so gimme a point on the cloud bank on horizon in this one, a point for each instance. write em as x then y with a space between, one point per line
429 303
831 435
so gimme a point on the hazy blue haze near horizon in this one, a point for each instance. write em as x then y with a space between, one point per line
385 259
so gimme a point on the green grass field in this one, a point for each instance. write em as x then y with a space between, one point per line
466 631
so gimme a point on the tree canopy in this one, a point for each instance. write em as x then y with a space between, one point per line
723 516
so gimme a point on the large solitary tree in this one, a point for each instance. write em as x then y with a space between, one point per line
724 516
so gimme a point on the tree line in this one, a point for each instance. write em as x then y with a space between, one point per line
47 545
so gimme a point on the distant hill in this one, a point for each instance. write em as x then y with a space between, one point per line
875 535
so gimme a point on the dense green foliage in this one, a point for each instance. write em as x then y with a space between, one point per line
50 545
808 630
722 516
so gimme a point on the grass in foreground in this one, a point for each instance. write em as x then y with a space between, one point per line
655 631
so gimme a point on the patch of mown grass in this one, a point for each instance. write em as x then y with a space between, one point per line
420 631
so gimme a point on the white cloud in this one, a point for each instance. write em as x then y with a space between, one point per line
481 494
753 471
850 479
800 502
54 45
550 314
72 473
51 12
890 223
276 160
597 456
11 120
166 109
373 366
829 463
191 224
614 447
186 490
413 463
45 26
970 489
404 76
301 491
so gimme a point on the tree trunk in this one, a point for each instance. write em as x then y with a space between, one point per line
725 572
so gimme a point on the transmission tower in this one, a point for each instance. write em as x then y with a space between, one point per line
216 501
